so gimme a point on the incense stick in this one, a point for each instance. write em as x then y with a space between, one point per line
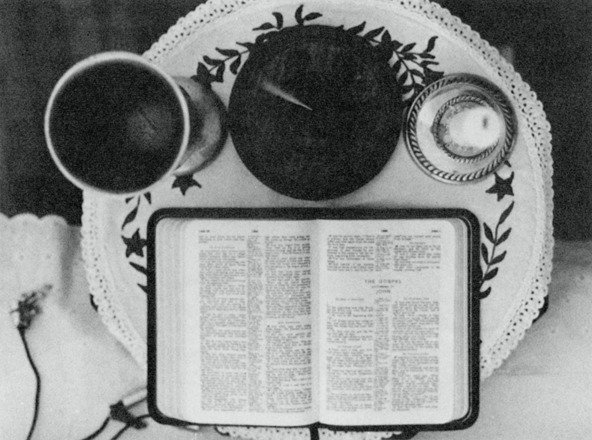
276 91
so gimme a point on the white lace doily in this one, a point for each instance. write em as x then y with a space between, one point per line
514 206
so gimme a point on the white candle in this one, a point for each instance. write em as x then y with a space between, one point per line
477 127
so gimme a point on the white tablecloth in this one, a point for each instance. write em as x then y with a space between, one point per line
542 392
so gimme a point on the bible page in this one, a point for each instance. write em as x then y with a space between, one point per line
388 301
170 336
250 324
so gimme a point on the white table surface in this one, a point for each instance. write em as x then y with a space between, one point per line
543 391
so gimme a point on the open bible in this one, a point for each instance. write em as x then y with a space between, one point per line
348 319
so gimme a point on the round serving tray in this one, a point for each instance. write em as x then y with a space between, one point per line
513 204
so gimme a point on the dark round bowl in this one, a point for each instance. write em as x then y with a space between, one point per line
315 112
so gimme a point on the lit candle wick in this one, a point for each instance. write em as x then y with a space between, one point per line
276 91
477 127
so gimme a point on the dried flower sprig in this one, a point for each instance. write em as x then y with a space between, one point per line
27 307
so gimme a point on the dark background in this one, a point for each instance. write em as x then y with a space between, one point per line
551 42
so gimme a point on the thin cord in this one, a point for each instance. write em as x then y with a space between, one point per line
37 380
22 313
98 431
128 426
21 330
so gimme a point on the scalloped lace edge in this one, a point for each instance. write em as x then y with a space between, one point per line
28 217
529 108
112 313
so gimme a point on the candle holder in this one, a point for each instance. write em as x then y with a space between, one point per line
462 148
460 128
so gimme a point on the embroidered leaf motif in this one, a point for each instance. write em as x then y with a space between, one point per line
308 17
312 16
491 258
427 63
411 68
408 56
506 213
485 293
228 52
484 253
374 33
488 233
489 275
248 46
503 237
408 47
431 44
356 29
203 75
213 61
404 76
219 77
298 15
264 27
279 20
385 49
131 216
415 72
138 267
235 65
499 258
